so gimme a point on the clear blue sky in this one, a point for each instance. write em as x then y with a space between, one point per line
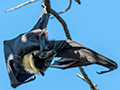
94 24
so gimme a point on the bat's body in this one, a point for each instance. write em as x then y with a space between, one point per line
32 53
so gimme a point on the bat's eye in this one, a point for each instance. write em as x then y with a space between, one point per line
47 63
42 55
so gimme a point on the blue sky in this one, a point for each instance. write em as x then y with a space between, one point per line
94 24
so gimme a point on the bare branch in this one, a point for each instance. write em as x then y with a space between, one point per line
81 77
21 5
86 79
65 9
62 22
94 85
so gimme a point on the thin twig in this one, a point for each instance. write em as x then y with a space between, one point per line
81 77
21 5
87 81
28 2
92 86
65 9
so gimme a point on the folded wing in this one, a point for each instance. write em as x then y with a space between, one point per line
75 55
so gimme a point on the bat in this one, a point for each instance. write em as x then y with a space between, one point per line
31 53
25 61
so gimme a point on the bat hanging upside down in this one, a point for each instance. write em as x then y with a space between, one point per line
32 53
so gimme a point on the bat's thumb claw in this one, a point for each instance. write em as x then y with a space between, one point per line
98 72
104 71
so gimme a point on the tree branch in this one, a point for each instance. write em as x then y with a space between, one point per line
21 5
87 82
65 9
86 79
55 14
46 1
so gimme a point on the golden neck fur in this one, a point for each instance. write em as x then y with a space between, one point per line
28 63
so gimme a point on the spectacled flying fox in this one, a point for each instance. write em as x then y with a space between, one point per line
32 53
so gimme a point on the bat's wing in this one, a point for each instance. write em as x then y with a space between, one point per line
65 63
16 48
75 54
16 77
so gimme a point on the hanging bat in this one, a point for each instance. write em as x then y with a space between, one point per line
32 53
26 59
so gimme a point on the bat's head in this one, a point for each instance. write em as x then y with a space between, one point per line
43 59
38 62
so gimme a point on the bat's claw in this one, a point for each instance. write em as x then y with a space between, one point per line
104 71
42 73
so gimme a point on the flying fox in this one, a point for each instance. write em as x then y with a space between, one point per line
31 53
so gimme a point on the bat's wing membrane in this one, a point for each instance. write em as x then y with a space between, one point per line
75 55
16 77
65 63
20 46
